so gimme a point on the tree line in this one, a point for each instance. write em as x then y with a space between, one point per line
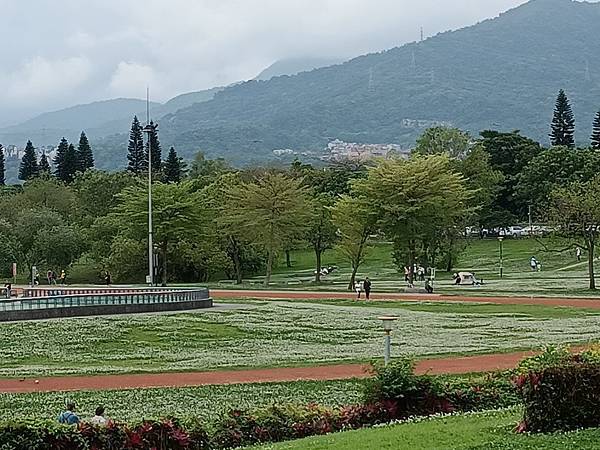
214 221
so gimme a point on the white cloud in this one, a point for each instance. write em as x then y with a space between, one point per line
130 79
42 80
182 45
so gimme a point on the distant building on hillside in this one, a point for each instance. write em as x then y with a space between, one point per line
339 150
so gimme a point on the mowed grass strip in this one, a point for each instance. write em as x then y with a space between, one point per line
480 431
561 274
278 334
208 403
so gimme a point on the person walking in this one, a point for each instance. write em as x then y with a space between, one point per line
54 277
107 278
99 418
358 288
63 277
69 417
49 276
367 287
578 254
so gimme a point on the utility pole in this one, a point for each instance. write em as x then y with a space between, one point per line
148 129
530 223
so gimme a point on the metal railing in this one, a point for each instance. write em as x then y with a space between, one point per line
51 291
104 299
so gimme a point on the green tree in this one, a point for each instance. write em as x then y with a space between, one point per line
321 233
176 212
174 167
156 150
563 123
58 246
65 162
208 169
85 156
355 221
96 193
414 200
437 140
44 165
2 167
270 211
575 209
136 157
29 165
59 159
596 132
509 154
556 166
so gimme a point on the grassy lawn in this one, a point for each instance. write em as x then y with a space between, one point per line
279 333
206 402
561 274
482 431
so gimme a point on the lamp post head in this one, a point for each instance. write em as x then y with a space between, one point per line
500 238
388 321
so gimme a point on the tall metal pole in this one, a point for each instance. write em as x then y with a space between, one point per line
150 243
530 223
387 344
501 259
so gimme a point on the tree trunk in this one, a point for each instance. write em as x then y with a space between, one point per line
591 274
318 252
353 277
269 268
288 260
163 253
411 264
235 258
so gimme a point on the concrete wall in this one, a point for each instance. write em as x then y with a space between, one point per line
98 310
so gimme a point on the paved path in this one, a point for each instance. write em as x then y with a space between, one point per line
453 365
592 303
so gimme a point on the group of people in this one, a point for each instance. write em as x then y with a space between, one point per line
52 277
70 417
360 286
536 266
418 273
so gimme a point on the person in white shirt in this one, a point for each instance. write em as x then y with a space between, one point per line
99 418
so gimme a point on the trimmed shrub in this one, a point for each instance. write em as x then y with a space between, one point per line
422 395
563 395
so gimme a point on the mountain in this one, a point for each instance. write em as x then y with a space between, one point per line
293 66
98 119
502 73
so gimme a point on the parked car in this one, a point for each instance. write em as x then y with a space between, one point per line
515 231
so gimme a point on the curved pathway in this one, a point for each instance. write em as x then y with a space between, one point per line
452 365
592 303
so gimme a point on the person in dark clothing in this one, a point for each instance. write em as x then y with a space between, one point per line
428 286
367 287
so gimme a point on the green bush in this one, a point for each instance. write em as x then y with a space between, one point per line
421 395
560 394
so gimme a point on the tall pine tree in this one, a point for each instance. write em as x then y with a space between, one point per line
596 132
563 122
70 164
174 167
2 167
59 160
44 165
29 165
135 149
156 150
85 157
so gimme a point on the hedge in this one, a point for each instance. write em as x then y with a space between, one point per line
560 391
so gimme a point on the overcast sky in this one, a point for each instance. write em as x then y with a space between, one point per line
57 53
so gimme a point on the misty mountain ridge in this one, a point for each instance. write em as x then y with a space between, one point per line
502 73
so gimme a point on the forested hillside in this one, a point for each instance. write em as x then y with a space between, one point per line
501 73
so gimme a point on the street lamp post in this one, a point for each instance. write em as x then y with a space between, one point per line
500 240
387 329
148 129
